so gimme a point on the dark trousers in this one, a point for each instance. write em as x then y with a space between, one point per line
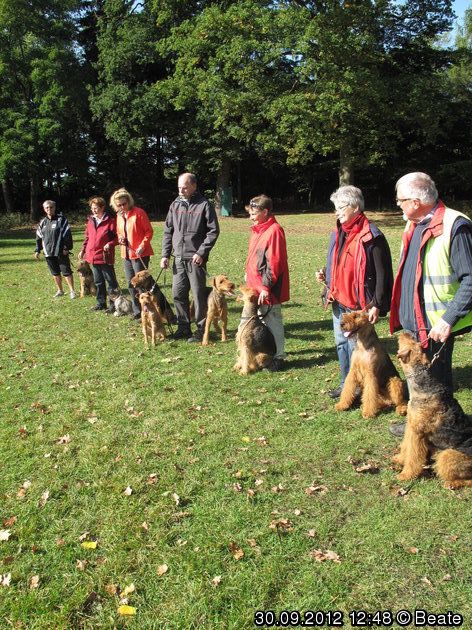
441 369
185 277
131 267
104 275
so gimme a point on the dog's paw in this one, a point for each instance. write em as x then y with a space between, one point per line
406 476
401 410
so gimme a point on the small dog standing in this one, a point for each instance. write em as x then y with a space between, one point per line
151 318
371 369
87 285
217 307
123 306
436 425
143 281
256 344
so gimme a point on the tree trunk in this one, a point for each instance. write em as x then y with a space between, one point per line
7 197
346 166
223 180
34 204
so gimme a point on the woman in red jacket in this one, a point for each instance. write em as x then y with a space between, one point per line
99 251
267 271
134 235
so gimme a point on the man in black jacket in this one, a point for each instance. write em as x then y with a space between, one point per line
191 230
54 238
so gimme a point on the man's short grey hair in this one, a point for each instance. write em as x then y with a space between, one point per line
348 195
192 179
50 203
418 186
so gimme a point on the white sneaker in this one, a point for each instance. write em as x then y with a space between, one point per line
73 295
58 294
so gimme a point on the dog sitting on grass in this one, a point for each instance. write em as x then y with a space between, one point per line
371 370
87 285
143 281
151 318
256 343
123 306
217 308
437 426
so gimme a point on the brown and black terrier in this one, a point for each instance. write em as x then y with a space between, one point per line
151 318
143 281
256 343
437 426
87 285
217 308
371 370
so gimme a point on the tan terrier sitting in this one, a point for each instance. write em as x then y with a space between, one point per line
87 285
437 426
151 318
371 370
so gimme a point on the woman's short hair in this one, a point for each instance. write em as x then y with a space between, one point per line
99 201
121 193
50 203
419 186
263 202
348 195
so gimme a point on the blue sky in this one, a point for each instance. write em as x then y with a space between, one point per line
460 6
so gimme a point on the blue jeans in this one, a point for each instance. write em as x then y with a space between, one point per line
102 274
344 345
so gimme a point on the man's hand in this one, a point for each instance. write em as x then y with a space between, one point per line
37 255
197 259
440 331
373 314
263 297
139 251
164 263
80 255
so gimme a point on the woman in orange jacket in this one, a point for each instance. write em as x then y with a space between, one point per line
134 235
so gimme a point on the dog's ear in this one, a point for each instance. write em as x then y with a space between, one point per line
213 282
404 355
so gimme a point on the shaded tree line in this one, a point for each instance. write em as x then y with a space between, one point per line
290 98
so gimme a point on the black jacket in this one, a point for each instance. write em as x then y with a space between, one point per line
53 235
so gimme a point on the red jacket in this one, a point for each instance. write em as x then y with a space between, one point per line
96 236
139 231
267 265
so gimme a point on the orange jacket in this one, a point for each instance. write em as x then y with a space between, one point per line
138 230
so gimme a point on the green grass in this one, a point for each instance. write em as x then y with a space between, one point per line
179 413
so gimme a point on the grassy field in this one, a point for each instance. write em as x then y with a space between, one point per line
214 495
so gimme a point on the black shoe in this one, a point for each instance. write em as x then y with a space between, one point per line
181 333
137 316
335 393
97 307
196 338
277 365
109 311
398 430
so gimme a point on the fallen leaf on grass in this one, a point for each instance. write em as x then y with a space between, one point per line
127 610
446 578
426 581
83 536
34 582
44 498
176 498
237 487
163 568
5 579
111 589
216 580
367 467
282 524
398 491
128 491
245 439
413 550
262 441
89 544
311 533
152 479
278 488
81 564
127 590
144 525
316 489
252 542
321 556
8 522
237 553
4 534
65 439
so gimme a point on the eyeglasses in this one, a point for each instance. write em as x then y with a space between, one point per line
400 201
255 206
121 205
342 208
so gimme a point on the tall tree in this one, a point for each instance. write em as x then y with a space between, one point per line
40 96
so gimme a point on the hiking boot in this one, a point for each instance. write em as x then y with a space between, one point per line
277 365
335 393
182 333
397 430
196 337
97 307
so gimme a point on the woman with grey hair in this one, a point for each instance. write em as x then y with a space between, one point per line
358 272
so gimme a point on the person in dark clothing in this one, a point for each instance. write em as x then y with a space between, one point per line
54 239
358 273
432 293
99 251
190 231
